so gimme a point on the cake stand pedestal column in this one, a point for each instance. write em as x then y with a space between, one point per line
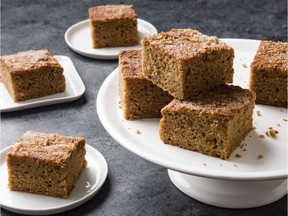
229 193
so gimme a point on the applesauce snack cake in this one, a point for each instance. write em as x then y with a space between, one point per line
113 26
32 74
46 164
268 77
185 62
213 123
140 98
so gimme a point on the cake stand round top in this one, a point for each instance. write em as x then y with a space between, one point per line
256 159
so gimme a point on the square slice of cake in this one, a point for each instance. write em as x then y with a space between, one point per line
213 123
113 26
140 98
46 164
32 74
185 62
268 77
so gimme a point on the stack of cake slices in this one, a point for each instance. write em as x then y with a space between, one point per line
185 77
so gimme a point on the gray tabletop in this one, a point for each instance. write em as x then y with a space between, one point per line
134 186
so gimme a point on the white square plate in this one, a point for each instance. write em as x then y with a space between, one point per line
74 90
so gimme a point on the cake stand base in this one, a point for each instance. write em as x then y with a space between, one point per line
229 193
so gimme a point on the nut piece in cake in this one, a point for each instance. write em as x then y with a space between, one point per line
46 164
113 26
140 98
213 123
268 77
32 74
185 62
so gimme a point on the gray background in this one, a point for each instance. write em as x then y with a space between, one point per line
134 186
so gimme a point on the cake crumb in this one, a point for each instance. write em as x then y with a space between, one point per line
138 132
244 65
261 136
253 128
260 156
278 125
204 164
244 149
221 164
238 155
235 165
258 113
285 120
272 133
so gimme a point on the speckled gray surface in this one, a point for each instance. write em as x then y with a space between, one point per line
134 186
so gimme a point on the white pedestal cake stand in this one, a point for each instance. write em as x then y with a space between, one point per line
256 176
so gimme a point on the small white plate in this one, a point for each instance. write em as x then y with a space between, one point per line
89 183
248 164
78 38
74 90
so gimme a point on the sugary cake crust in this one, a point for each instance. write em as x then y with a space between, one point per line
130 62
223 100
106 13
29 60
47 148
184 44
271 55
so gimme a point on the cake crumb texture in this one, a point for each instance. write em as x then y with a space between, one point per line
46 164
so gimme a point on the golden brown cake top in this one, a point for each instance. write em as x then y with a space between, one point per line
112 12
48 148
223 100
130 63
271 55
184 44
29 60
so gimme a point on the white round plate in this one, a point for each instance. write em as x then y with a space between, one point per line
89 183
257 158
78 38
